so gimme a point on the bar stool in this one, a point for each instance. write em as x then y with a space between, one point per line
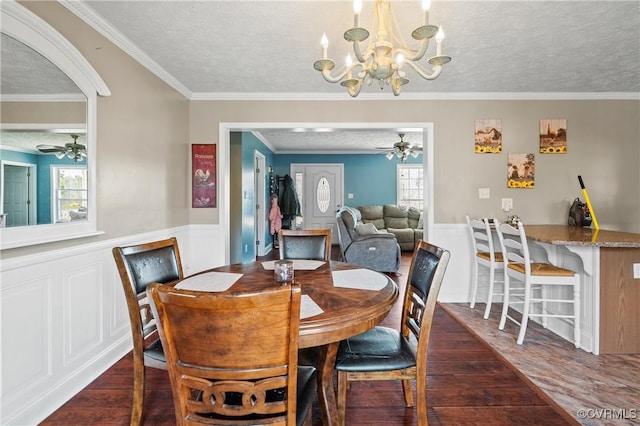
538 278
484 255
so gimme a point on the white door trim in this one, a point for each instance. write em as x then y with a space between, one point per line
261 213
224 185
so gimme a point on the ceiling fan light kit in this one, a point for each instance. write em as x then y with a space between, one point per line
383 60
73 150
402 150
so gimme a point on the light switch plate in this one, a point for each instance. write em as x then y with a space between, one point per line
636 271
483 193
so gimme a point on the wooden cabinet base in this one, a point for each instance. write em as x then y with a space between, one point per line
619 301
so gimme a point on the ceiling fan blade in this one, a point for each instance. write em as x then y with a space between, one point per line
50 148
416 148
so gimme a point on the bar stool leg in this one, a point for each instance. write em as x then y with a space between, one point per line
577 331
544 295
525 311
505 303
487 310
474 284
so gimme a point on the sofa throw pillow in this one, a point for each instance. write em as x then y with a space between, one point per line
366 229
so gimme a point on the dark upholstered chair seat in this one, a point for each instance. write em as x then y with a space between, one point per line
383 353
307 385
379 349
155 351
138 266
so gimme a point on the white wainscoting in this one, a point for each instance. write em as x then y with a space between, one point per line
456 287
64 316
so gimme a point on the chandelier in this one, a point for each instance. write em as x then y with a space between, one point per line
402 150
387 53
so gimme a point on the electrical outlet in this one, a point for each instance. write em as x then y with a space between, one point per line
636 271
507 204
350 196
483 193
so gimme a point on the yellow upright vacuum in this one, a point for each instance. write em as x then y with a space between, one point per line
588 201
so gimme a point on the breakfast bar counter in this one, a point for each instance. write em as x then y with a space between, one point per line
610 293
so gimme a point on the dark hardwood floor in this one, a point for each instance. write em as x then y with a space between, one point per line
467 384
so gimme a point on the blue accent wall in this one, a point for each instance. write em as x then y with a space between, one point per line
43 175
250 144
371 178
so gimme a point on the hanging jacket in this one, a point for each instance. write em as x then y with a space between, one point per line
289 204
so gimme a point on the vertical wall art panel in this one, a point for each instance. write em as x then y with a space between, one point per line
521 171
553 136
488 139
203 173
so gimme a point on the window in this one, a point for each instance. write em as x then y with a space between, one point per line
69 198
410 185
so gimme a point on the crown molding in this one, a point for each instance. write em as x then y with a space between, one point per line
452 96
61 97
95 21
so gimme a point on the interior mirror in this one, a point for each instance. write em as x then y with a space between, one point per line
48 117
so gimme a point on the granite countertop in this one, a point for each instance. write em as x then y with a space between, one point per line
575 236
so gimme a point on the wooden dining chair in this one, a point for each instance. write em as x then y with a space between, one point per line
384 353
485 256
312 244
233 357
140 265
549 291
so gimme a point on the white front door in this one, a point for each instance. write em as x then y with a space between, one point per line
320 190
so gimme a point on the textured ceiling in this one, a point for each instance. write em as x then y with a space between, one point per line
266 49
252 47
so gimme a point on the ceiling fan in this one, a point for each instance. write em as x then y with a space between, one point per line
402 150
73 150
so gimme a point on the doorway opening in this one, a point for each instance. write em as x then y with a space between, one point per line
224 136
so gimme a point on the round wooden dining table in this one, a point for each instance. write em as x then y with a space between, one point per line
339 300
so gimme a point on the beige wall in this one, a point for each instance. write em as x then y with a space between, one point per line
43 112
142 138
603 147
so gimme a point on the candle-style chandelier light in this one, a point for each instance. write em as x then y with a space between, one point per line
387 53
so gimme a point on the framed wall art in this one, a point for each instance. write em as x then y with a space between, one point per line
553 136
203 175
521 171
488 138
